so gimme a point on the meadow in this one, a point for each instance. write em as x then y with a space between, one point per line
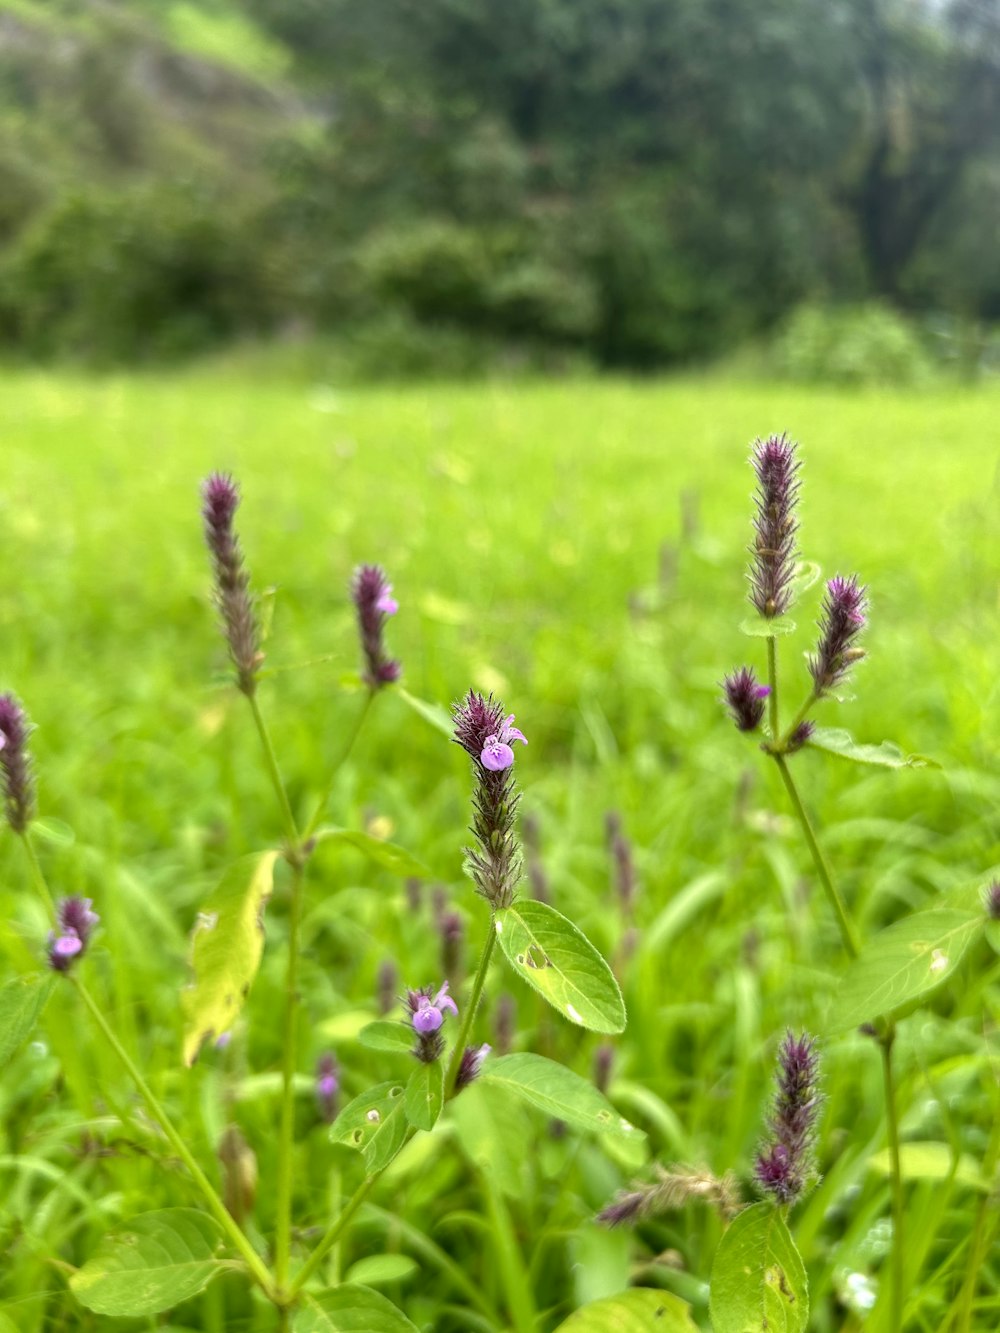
578 548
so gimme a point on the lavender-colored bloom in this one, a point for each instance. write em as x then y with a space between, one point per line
221 498
15 763
427 1011
371 593
745 698
471 1065
495 865
76 922
785 1163
842 621
799 736
327 1086
773 553
992 901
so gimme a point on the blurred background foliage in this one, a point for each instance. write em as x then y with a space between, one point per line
444 184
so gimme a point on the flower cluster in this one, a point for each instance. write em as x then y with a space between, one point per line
371 593
745 698
471 1065
487 734
76 923
427 1011
785 1164
220 500
773 552
843 619
18 787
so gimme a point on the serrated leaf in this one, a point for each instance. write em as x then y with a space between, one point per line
556 958
374 1124
397 860
153 1263
638 1310
22 1000
558 1092
384 1035
226 947
835 740
932 1161
425 1095
439 718
758 1281
903 964
54 831
757 627
374 1269
350 1309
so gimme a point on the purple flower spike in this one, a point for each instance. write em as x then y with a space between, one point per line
843 619
745 698
371 593
784 1165
486 733
471 1065
799 736
221 498
15 763
76 925
497 753
773 552
327 1087
427 1013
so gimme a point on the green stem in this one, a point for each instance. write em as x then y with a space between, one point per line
898 1202
340 761
291 831
470 1009
36 873
216 1207
819 860
799 718
772 680
286 1133
980 1235
332 1235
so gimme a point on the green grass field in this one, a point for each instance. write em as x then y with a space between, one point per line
535 537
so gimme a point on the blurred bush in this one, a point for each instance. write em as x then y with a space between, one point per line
861 344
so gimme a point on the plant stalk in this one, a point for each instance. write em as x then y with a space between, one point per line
342 758
470 1009
772 680
41 884
291 831
898 1203
286 1133
331 1236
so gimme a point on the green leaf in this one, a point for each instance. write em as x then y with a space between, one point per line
558 960
759 628
425 1095
226 947
375 1269
350 1309
22 1000
558 1092
903 964
438 717
157 1261
993 935
374 1124
932 1161
397 860
384 1035
55 831
807 574
835 740
758 1279
638 1310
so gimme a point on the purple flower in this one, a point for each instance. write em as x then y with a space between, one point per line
992 902
497 753
745 698
773 552
15 763
785 1164
799 736
327 1086
484 731
371 593
843 619
221 498
471 1065
427 1013
76 923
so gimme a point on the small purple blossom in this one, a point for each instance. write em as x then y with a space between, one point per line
784 1164
992 901
15 763
773 551
745 698
220 500
76 922
843 618
497 753
371 593
427 1013
799 736
471 1065
327 1086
